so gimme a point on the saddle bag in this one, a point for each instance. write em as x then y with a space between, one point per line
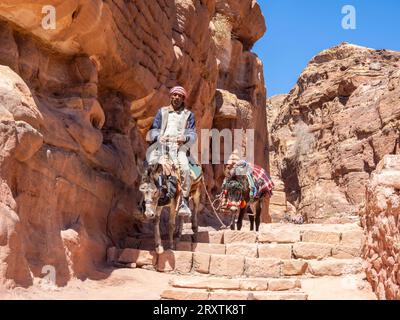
168 190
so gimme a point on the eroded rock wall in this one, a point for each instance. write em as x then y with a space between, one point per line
77 101
334 127
279 207
381 222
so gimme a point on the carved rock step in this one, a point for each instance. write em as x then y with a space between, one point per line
287 251
276 232
335 267
233 265
196 294
343 241
253 284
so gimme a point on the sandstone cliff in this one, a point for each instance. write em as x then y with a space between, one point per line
76 102
334 127
381 222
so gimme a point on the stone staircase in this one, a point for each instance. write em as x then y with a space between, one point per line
269 265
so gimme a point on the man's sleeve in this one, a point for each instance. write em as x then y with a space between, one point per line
155 128
190 131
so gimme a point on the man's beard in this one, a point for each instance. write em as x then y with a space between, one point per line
176 103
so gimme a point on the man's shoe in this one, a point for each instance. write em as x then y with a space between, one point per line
184 209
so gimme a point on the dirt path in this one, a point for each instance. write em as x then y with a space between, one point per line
140 284
122 284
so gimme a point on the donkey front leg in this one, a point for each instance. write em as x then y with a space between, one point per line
233 222
157 236
195 226
240 219
178 233
258 215
250 212
172 225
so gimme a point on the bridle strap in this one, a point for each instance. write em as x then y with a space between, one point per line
160 182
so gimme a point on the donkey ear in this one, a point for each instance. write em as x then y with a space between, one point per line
161 170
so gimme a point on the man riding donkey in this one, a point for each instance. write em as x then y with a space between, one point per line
175 126
172 133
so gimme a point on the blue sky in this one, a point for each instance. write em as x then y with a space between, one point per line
298 30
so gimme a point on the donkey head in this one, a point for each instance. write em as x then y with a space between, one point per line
235 189
150 187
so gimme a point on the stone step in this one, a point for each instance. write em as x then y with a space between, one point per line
223 265
283 251
246 284
335 234
201 294
274 241
335 267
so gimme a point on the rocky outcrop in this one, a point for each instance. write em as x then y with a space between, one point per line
334 127
279 207
380 219
76 102
241 95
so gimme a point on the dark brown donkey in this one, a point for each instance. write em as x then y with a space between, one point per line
236 191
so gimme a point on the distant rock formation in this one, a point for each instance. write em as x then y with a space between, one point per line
334 127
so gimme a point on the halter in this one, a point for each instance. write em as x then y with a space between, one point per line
233 191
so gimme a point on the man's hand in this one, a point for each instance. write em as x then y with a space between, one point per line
181 139
164 139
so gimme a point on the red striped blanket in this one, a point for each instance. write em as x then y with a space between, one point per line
263 182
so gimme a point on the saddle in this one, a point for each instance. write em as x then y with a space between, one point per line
170 178
196 171
169 168
169 181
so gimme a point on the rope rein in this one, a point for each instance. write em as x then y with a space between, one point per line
212 205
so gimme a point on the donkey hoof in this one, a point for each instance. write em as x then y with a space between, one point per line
159 249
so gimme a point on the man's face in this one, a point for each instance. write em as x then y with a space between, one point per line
177 100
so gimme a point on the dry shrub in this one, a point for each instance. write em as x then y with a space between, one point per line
223 28
304 143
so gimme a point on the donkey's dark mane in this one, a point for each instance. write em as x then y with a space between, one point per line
149 171
240 178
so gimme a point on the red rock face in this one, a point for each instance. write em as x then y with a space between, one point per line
334 127
77 101
380 219
278 206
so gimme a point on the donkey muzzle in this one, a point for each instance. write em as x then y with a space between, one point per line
234 209
149 212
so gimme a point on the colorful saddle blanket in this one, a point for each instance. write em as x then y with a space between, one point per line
259 180
262 180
